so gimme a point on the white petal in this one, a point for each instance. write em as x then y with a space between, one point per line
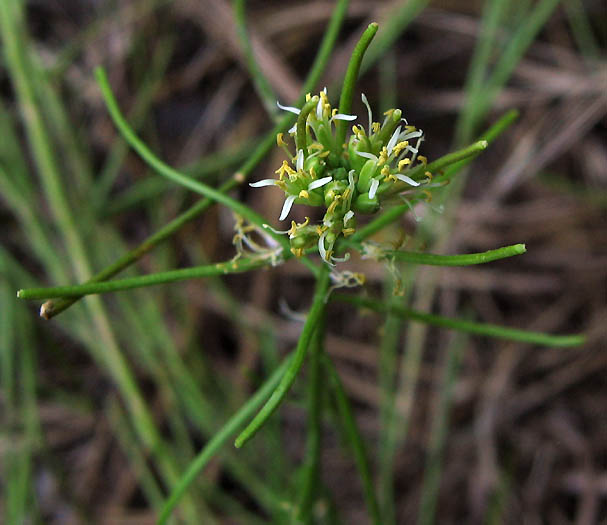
321 245
351 178
290 109
324 90
348 216
369 113
319 183
392 141
319 109
286 208
373 188
299 162
406 179
367 155
411 135
341 259
412 150
343 116
264 182
293 129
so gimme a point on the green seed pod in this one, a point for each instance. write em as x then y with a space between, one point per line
339 174
337 187
317 164
356 161
303 240
368 171
364 204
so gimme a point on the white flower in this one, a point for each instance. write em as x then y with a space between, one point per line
264 182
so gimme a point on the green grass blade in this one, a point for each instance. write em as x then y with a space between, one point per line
219 439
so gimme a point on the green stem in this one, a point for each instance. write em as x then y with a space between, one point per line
316 312
345 100
165 170
468 152
302 134
117 285
322 57
218 440
467 259
471 327
354 438
310 486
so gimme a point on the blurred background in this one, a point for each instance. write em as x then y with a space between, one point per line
104 406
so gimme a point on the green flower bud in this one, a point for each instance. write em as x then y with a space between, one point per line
364 204
368 171
337 187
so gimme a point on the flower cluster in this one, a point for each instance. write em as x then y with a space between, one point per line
356 177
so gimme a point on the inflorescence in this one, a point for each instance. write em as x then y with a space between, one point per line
371 168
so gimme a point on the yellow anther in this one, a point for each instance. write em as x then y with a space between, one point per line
403 163
422 159
298 252
385 171
383 156
399 147
428 174
375 127
334 204
334 112
428 195
346 193
308 97
284 168
329 255
316 145
324 154
360 277
355 130
391 177
304 194
304 223
348 231
279 140
292 229
389 112
410 128
320 229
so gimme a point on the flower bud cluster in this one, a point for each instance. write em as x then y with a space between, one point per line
373 166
